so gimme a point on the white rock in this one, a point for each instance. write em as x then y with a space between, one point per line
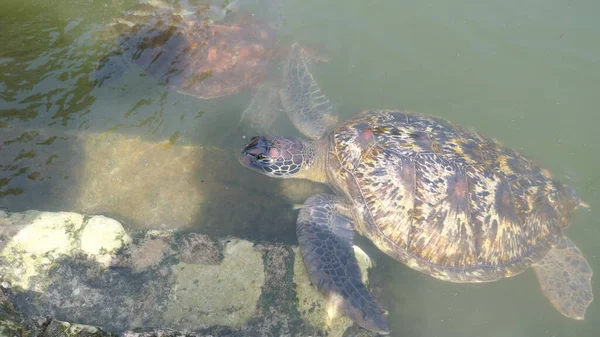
35 239
223 294
102 237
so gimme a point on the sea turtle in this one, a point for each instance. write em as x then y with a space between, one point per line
437 197
203 50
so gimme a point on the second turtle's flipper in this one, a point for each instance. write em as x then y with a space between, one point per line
306 105
325 238
263 110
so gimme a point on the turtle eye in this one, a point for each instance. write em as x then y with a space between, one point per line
263 159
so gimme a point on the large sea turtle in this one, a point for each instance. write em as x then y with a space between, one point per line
196 47
439 198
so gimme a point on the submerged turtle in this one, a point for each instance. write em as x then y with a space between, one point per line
203 50
441 199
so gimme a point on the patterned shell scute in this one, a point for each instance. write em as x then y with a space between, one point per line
446 196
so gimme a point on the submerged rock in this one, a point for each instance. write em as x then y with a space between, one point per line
88 271
230 289
101 237
35 241
148 184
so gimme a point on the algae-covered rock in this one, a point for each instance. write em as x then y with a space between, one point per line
15 324
147 252
88 276
102 237
223 294
35 241
10 328
64 329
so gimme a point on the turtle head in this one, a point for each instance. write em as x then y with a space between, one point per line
279 157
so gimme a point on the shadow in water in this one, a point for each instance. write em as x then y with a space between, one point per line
147 184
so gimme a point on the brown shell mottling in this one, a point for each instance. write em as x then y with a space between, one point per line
197 58
446 200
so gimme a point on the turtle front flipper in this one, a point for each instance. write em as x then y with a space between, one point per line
306 105
325 238
263 110
566 279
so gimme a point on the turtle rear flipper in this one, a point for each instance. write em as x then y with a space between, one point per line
325 238
566 279
307 107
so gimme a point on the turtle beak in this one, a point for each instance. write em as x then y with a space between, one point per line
245 160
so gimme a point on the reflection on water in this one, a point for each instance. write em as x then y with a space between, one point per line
132 146
44 78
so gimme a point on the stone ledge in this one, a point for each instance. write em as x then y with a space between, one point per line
107 282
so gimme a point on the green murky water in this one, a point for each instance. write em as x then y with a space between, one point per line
524 72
